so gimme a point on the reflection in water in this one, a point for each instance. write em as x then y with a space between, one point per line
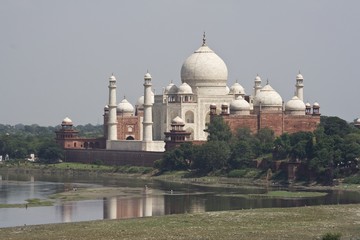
151 205
138 202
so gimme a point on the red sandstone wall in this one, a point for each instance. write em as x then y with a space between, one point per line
306 123
272 120
113 157
276 121
241 121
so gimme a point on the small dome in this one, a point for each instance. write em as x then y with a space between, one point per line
268 97
316 104
239 104
106 107
125 107
177 120
185 89
67 121
112 78
140 102
308 105
257 78
357 121
295 104
171 89
299 77
236 88
147 76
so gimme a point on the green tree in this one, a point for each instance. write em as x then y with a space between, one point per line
335 126
211 156
218 130
282 147
266 138
177 159
50 152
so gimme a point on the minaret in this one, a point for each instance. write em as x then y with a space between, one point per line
300 86
112 123
147 121
257 85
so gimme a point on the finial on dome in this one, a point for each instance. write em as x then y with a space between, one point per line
124 97
267 81
204 39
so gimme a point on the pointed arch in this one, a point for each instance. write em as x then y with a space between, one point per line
189 117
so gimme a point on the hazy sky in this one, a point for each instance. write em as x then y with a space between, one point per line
56 56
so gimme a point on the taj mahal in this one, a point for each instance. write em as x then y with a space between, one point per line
188 108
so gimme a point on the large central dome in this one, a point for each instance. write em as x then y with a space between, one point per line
205 69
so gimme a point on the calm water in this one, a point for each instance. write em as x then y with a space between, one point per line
159 198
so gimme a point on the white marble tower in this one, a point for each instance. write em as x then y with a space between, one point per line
112 122
257 85
300 87
147 122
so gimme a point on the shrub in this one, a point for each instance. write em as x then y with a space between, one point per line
354 179
331 236
244 173
237 173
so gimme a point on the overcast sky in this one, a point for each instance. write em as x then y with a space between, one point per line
56 56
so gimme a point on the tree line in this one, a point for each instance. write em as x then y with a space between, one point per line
19 141
332 151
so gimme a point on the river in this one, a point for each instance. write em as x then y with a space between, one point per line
157 198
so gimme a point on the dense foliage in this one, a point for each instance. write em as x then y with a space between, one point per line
19 141
332 151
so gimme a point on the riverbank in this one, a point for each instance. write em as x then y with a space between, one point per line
270 223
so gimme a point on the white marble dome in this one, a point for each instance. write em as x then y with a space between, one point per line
171 89
268 97
140 102
204 68
239 104
295 104
66 121
112 78
185 89
177 120
236 88
125 107
308 105
316 104
147 76
299 77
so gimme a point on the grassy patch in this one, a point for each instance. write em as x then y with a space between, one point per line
33 202
96 193
278 194
255 224
287 194
81 166
133 169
